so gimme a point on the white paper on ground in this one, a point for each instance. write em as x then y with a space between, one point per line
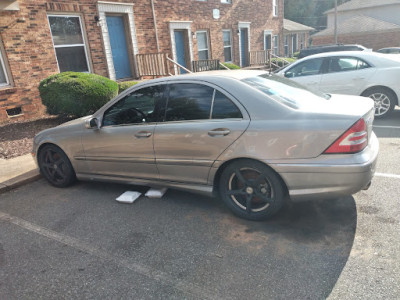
128 197
155 193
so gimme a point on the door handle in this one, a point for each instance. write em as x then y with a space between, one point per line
143 134
219 131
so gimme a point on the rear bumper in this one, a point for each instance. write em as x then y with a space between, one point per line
332 176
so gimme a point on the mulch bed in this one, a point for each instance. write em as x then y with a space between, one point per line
16 138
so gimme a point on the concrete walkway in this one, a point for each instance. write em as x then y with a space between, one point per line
17 171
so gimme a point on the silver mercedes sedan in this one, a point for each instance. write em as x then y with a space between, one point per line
255 139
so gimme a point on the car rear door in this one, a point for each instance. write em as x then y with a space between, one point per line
200 122
346 75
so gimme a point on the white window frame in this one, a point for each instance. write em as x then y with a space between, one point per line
302 40
207 42
275 41
275 8
3 67
295 40
268 33
71 45
226 1
230 41
286 45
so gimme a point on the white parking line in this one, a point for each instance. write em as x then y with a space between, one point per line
387 175
381 126
183 286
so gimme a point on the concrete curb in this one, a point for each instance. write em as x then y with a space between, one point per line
20 180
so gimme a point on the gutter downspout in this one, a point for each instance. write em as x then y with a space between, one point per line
155 24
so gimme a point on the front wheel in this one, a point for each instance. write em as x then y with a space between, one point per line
384 100
55 166
251 190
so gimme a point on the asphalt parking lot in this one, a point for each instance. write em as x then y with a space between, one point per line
79 243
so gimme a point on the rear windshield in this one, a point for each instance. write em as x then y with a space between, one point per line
285 91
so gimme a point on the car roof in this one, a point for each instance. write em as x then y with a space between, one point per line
368 55
375 58
209 75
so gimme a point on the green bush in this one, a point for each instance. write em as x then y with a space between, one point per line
76 94
230 66
280 62
296 54
122 86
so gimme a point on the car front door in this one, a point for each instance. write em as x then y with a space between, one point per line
346 75
123 146
308 73
200 122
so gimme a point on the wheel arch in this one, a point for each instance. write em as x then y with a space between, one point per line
222 167
44 144
384 88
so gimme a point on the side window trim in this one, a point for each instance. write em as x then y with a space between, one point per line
233 99
101 113
212 104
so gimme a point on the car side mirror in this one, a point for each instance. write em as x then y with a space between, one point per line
92 123
289 74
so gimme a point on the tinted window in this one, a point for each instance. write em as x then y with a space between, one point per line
224 108
306 68
189 101
138 107
343 64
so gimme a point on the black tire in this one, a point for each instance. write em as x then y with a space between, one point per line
251 190
55 166
384 100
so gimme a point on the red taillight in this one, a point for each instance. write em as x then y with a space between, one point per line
352 141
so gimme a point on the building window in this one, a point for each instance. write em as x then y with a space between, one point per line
294 43
3 71
302 40
69 43
275 8
286 39
275 41
226 1
227 45
202 44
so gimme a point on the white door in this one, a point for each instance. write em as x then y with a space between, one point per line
346 75
308 73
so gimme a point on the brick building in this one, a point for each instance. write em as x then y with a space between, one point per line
295 37
373 24
39 38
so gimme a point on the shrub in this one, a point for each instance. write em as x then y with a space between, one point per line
296 54
230 66
122 86
280 62
76 94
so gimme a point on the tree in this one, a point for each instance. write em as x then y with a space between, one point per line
309 12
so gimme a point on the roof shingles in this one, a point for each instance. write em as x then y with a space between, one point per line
357 4
360 24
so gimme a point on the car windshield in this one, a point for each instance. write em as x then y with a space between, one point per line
285 91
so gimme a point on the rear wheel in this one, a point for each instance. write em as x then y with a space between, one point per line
251 190
55 166
384 100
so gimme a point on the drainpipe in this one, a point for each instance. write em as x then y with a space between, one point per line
336 39
155 24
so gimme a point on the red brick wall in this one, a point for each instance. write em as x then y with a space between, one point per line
30 53
374 40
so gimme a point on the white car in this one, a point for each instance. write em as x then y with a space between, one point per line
368 74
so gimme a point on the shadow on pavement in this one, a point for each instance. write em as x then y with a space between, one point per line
195 240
